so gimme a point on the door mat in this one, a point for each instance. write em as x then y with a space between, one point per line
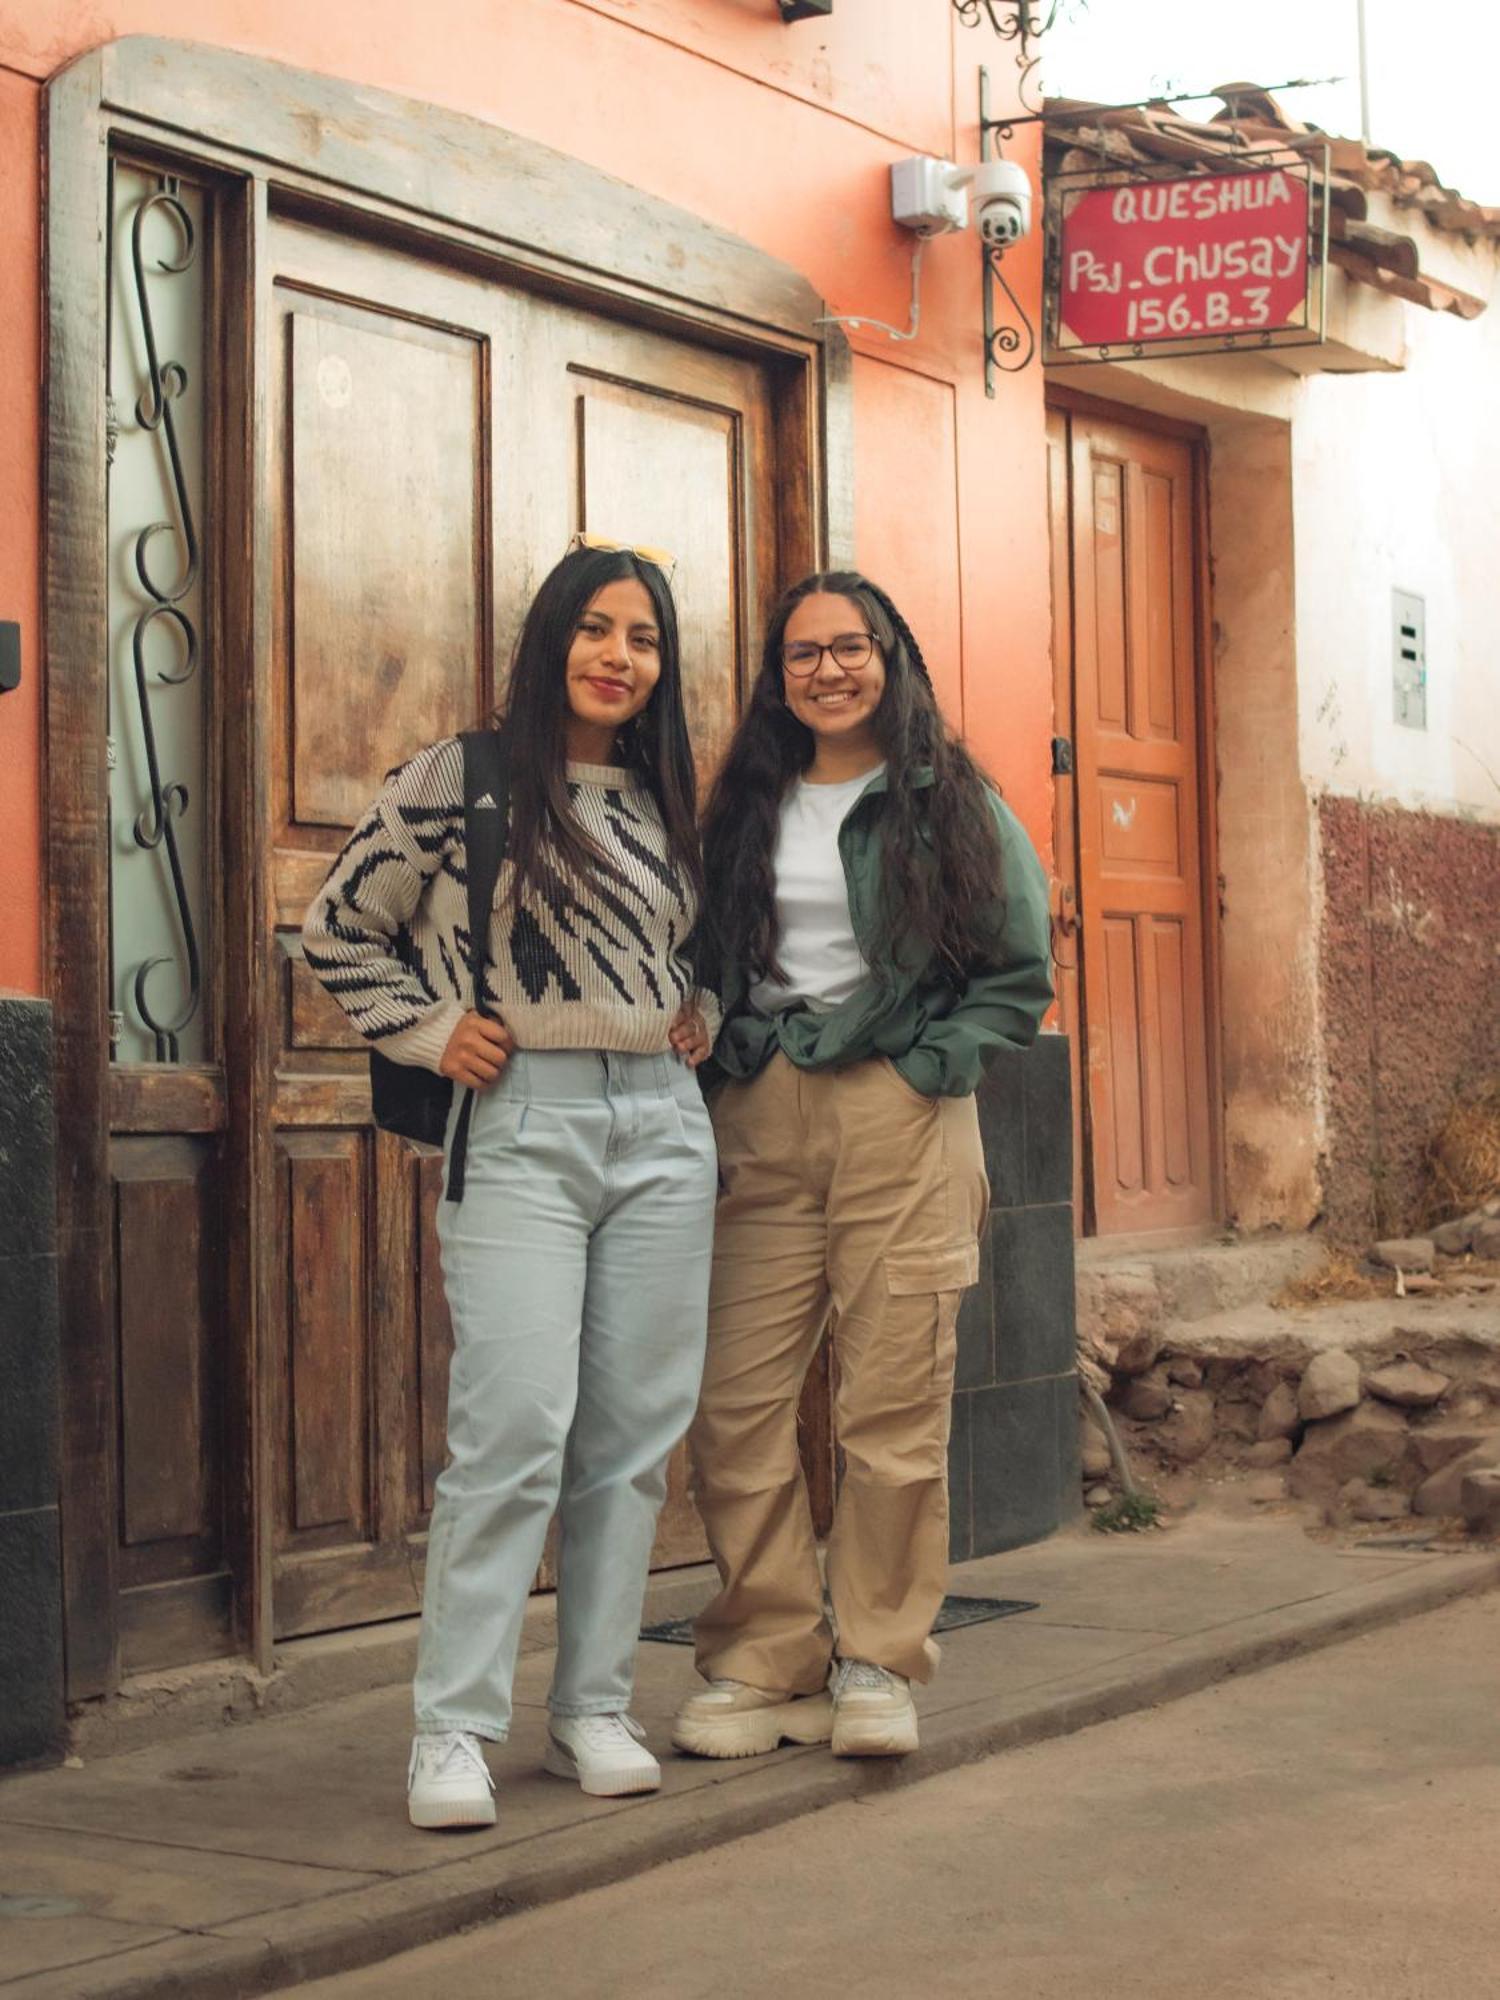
956 1612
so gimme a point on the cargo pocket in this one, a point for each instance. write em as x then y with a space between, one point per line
941 1275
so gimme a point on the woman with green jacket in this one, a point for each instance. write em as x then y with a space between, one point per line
880 923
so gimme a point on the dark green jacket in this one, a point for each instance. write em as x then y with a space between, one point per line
937 1032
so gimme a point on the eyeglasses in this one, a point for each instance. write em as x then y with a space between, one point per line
849 650
663 559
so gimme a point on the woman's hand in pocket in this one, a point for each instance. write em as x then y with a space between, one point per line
688 1035
477 1051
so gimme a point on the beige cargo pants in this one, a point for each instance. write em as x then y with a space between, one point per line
848 1192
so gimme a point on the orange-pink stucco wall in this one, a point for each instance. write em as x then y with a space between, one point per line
783 134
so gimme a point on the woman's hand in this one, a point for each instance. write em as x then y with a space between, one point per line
477 1051
688 1035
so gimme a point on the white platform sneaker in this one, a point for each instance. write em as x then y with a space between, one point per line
448 1782
605 1754
873 1712
730 1719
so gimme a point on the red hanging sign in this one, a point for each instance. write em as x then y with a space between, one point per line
1204 261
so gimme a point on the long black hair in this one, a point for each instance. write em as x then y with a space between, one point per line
942 909
545 832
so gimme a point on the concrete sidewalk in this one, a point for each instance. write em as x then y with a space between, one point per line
247 1859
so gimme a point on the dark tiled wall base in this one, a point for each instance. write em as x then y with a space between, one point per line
31 1713
1013 1460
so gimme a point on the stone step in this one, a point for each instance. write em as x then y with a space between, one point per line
1124 1287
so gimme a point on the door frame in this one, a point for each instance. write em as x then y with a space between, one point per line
413 176
1070 402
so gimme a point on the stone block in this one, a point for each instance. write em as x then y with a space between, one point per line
1188 1430
1015 1464
1439 1444
1144 1398
31 1657
1479 1502
1443 1492
960 1497
1121 1310
28 1382
1405 1253
1268 1452
1236 1421
1454 1238
1279 1416
1001 1102
1035 1321
1093 1451
1408 1385
1185 1372
1486 1240
1375 1503
1329 1386
1369 1439
28 1215
1048 1095
976 1326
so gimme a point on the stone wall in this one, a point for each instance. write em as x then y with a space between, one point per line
31 1712
1013 1459
1410 975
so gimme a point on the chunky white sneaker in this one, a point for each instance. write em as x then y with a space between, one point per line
873 1712
448 1782
605 1754
729 1719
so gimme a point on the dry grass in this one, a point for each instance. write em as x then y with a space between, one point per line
1339 1276
1463 1159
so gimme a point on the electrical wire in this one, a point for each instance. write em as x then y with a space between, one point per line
881 325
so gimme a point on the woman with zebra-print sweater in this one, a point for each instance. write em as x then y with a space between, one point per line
576 1264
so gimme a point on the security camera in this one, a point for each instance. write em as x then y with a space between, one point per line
1001 193
931 196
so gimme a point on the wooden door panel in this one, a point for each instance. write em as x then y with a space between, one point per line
693 451
429 1408
640 438
169 1323
1134 689
314 1019
387 549
324 1429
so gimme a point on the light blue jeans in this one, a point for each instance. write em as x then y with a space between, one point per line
576 1268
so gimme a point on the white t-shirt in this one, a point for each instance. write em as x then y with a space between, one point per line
818 952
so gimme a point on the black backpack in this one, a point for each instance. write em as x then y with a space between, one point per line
405 1098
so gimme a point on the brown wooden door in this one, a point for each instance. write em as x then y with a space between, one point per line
1132 835
435 439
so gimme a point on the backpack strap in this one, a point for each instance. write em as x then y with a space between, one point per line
486 825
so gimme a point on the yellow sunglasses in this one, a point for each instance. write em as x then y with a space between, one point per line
664 560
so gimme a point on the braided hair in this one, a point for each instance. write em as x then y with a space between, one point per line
940 861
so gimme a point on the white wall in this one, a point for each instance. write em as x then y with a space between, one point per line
1396 483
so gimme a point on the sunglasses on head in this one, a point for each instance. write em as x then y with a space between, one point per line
662 559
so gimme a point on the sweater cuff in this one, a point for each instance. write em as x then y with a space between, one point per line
422 1046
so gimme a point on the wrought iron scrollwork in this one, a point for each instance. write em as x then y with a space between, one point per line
1009 339
155 825
1023 22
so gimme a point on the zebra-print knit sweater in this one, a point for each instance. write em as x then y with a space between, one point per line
597 967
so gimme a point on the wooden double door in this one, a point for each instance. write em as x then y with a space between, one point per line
422 439
1132 829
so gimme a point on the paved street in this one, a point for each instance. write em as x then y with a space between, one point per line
1327 1828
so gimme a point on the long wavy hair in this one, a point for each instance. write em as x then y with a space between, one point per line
940 861
546 836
